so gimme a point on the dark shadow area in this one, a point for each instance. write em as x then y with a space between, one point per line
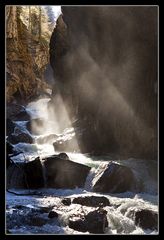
105 67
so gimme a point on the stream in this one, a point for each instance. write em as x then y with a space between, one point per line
21 208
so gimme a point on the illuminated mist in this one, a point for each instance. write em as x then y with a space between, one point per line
105 67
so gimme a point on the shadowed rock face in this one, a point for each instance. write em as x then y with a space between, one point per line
57 171
105 66
63 173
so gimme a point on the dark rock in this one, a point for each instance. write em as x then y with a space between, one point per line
66 201
146 219
92 201
36 221
93 222
8 160
21 137
114 178
10 152
53 214
22 116
13 110
34 174
45 209
16 176
61 173
10 125
123 118
17 112
9 148
63 156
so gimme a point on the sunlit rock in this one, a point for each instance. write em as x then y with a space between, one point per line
114 178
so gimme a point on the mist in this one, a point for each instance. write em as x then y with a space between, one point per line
105 67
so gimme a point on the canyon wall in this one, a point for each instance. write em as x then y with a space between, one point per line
26 53
105 64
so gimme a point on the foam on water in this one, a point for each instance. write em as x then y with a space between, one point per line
120 221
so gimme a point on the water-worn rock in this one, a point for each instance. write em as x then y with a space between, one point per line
16 176
93 222
66 201
36 221
92 201
17 112
114 178
146 219
9 148
34 174
10 125
20 137
61 173
52 214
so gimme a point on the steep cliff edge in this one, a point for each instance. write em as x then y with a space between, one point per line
26 54
105 66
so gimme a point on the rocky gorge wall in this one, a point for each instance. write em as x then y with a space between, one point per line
105 67
26 55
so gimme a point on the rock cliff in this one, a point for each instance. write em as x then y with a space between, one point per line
105 66
26 53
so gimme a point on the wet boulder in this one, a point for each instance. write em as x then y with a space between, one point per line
10 152
63 156
92 201
9 148
34 174
52 214
16 176
146 219
63 173
20 137
114 178
17 112
25 175
93 222
66 201
10 126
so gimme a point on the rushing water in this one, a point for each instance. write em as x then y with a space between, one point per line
122 204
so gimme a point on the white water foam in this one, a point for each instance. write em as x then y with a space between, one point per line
119 218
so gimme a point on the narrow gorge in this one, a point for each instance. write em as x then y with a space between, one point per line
81 120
